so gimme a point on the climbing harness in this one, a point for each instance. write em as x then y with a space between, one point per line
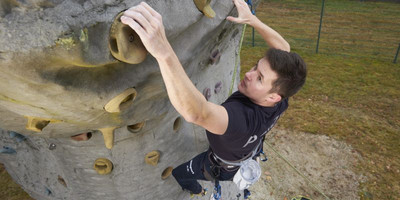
249 170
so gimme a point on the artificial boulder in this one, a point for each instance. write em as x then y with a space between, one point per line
70 68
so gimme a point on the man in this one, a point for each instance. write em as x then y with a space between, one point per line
237 127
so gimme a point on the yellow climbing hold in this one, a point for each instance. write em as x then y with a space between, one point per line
37 124
204 6
123 100
152 158
108 135
103 166
125 44
166 173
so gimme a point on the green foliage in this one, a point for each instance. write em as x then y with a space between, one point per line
352 91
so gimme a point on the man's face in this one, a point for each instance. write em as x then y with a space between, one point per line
257 82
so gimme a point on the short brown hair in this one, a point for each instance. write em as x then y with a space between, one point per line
291 70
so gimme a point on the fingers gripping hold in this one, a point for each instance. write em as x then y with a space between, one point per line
133 24
148 24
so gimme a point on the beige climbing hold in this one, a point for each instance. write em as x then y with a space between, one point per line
122 101
166 173
136 127
177 124
204 6
103 166
36 123
108 135
125 44
152 158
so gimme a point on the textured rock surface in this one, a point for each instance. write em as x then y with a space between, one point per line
55 65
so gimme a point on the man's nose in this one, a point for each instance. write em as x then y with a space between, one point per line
248 75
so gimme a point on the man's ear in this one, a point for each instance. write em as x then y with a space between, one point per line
274 97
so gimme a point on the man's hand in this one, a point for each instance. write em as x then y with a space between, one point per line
271 37
147 23
245 15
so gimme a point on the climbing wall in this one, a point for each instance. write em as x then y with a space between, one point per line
84 110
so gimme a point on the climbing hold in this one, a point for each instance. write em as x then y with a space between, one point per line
177 123
7 150
36 124
152 158
17 136
52 146
204 6
103 166
82 136
215 56
217 87
136 127
48 191
166 173
125 44
207 93
108 135
61 181
121 101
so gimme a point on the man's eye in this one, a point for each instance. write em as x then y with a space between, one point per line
259 78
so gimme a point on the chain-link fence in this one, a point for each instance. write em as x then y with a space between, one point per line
349 28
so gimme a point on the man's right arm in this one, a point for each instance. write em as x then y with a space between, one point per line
271 37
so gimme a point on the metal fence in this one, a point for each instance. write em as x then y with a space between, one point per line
341 27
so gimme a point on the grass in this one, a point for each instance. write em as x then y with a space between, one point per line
9 190
352 91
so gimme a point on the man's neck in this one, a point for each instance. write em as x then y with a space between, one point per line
264 103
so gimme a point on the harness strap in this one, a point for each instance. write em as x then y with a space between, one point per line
238 162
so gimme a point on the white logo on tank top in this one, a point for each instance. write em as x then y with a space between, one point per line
251 140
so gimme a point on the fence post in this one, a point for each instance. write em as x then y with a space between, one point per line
397 53
320 25
253 37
